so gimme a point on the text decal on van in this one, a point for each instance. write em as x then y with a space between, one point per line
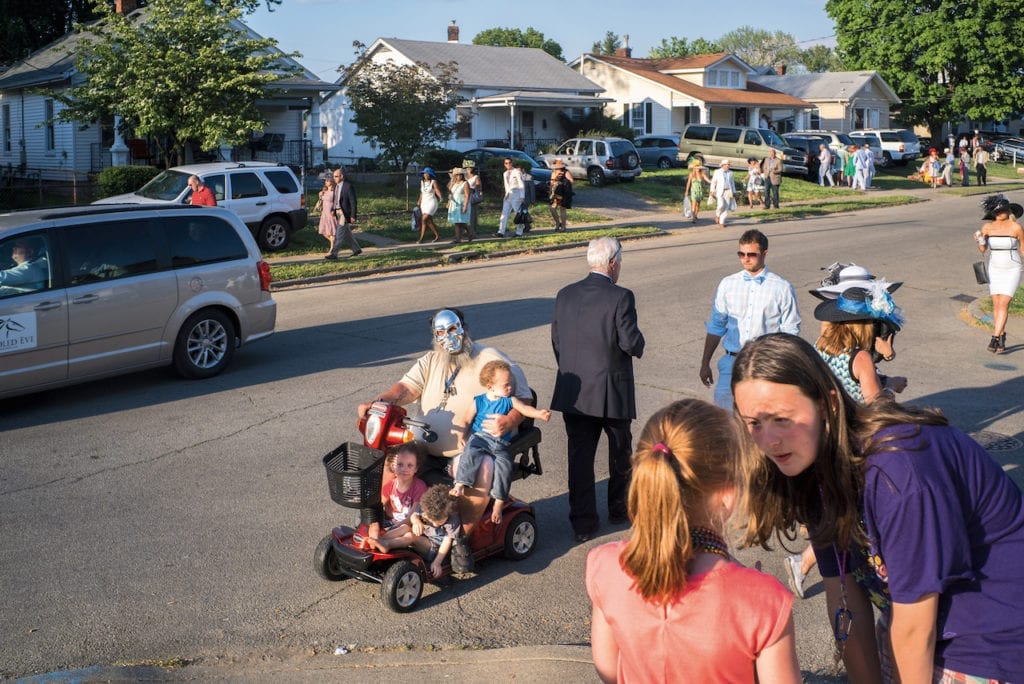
18 331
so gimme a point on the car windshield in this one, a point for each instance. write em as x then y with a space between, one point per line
845 139
166 186
771 137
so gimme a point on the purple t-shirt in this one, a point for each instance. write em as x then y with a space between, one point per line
943 517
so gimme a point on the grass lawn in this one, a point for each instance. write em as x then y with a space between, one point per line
439 255
1016 304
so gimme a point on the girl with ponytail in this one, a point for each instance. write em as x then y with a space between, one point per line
669 602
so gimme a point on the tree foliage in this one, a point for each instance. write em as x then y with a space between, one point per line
27 25
512 37
758 47
945 59
820 58
176 71
680 47
608 45
402 108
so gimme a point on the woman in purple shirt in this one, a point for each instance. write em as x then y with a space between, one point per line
904 511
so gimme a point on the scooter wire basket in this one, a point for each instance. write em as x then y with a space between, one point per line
354 473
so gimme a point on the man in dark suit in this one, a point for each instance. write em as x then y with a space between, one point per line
345 209
595 337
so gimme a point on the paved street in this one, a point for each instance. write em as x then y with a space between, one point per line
147 518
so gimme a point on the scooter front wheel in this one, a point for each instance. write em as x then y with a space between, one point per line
402 586
326 563
521 537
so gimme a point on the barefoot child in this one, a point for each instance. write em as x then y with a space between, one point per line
496 376
401 495
433 530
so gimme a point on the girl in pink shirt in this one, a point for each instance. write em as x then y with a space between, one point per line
670 604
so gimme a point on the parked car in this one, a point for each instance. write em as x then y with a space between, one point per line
712 144
111 289
860 137
835 139
808 145
658 150
267 197
1008 149
899 145
482 156
599 160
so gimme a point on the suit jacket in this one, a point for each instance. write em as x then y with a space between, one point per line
773 170
595 336
345 202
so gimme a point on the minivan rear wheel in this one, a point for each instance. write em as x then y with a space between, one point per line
273 234
205 344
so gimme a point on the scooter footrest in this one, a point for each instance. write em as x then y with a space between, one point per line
352 558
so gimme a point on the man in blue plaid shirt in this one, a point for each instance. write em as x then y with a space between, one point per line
747 304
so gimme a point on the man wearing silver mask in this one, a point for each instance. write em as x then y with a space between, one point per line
443 382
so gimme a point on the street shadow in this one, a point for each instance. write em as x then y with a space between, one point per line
366 343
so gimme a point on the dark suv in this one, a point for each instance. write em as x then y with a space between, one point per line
809 146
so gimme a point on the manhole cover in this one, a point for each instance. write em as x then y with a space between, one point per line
993 441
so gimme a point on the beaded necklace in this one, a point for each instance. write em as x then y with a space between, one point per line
706 540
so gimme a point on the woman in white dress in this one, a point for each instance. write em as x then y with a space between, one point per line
430 194
1002 236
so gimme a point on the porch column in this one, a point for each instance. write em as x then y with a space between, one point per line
705 114
119 150
512 125
755 118
798 120
313 131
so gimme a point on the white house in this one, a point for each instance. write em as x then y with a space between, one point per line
841 101
662 96
509 94
30 142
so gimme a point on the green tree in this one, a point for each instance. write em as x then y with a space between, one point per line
177 71
402 108
510 37
945 59
608 46
27 25
820 58
680 47
758 47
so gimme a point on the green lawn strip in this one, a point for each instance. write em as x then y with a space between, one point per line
1016 304
401 256
793 211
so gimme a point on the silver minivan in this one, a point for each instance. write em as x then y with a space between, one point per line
90 292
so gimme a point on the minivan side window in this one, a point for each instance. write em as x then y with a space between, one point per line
24 265
699 132
751 138
283 182
246 185
728 135
196 240
109 250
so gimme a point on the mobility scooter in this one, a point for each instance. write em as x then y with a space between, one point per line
354 474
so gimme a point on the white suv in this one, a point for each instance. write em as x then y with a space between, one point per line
267 197
597 159
899 145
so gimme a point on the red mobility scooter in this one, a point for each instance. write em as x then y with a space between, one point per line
354 474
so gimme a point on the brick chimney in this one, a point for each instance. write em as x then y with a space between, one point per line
125 6
780 69
453 33
625 50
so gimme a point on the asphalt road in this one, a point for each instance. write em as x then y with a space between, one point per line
146 518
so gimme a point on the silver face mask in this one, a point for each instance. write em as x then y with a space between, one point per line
448 331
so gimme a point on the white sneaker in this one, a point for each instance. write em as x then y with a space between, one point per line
794 568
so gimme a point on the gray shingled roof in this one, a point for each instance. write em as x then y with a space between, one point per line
830 85
506 68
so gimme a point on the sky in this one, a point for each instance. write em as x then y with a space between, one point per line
324 30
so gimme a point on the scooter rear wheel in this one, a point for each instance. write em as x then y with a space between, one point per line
521 537
402 586
325 561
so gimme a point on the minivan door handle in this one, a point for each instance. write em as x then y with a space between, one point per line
85 299
261 204
47 306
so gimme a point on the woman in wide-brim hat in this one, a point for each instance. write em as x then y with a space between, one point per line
430 196
697 182
852 322
1002 236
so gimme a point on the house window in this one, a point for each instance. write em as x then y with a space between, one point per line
464 123
638 116
722 78
7 127
815 119
865 117
51 136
